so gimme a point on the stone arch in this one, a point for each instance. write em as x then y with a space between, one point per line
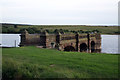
92 46
69 48
83 47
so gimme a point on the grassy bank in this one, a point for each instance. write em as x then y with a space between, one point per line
32 62
66 28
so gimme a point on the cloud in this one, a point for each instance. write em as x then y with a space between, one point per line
60 11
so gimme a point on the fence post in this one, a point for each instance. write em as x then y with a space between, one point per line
15 43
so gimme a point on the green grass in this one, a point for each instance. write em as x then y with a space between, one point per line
51 28
32 62
102 29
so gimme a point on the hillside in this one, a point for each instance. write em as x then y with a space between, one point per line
18 28
32 62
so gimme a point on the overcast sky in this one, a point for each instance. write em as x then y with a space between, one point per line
79 12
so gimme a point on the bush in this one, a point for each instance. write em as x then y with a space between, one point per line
4 30
80 31
31 30
21 30
96 31
11 30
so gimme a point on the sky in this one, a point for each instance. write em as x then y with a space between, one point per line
60 12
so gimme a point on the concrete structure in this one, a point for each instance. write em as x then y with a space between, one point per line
64 42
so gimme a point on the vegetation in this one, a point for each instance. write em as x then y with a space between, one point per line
33 62
62 28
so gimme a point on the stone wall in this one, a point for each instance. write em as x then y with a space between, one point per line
30 39
33 39
51 41
80 42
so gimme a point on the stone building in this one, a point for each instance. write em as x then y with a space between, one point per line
64 42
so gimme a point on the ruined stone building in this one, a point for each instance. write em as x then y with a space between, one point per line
64 42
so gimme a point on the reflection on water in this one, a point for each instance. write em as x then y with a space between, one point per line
109 42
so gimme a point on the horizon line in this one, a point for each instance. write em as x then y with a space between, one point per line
58 24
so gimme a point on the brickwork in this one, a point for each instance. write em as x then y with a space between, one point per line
76 42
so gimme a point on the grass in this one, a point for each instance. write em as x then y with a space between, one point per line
51 28
32 62
102 29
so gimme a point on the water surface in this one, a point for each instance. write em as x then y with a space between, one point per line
109 43
10 40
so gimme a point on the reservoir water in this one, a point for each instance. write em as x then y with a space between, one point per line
109 43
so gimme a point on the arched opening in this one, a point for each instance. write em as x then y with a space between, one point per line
92 46
69 48
83 47
53 45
